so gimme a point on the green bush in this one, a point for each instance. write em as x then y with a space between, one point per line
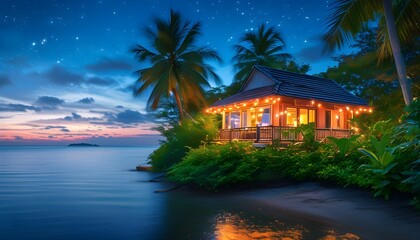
216 166
385 158
180 138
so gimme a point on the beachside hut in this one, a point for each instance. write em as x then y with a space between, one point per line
271 103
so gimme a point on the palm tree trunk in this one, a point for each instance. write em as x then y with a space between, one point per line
179 105
396 50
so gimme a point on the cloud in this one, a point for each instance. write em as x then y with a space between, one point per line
17 108
131 88
125 119
74 116
86 100
119 107
100 81
19 62
18 138
62 76
47 102
65 130
312 53
108 64
54 127
4 80
130 117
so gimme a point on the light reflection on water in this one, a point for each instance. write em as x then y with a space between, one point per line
230 226
73 193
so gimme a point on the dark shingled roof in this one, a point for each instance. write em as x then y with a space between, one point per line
298 86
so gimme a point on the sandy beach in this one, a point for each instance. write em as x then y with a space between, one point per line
352 209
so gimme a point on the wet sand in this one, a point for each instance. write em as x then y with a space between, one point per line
352 209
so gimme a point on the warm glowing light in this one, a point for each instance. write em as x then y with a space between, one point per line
244 104
337 116
230 108
261 109
364 110
255 104
341 110
347 108
266 100
360 109
278 99
274 101
319 105
357 112
277 115
370 110
312 102
281 113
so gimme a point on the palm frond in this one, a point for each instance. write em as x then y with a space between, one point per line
346 20
189 38
143 54
262 47
178 65
406 20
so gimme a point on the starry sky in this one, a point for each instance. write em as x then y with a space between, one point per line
66 68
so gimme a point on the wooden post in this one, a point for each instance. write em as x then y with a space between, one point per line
230 135
272 133
258 134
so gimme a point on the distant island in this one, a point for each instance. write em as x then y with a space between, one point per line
82 145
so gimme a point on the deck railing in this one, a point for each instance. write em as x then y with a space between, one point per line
283 134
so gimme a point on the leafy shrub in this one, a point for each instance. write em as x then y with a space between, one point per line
394 156
385 158
216 166
181 138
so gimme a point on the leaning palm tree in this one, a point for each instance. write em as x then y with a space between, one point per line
263 47
351 16
178 68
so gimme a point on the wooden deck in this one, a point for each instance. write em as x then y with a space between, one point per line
283 134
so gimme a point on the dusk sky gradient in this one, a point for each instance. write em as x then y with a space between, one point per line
66 69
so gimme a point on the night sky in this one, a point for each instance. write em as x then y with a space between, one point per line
66 69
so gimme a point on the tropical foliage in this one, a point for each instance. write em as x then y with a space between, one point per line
350 17
384 158
192 133
359 73
178 68
264 47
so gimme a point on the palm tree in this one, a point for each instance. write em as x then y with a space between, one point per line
262 47
179 69
351 16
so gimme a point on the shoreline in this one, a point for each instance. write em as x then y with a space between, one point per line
354 210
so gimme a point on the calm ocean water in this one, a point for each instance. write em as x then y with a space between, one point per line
93 193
